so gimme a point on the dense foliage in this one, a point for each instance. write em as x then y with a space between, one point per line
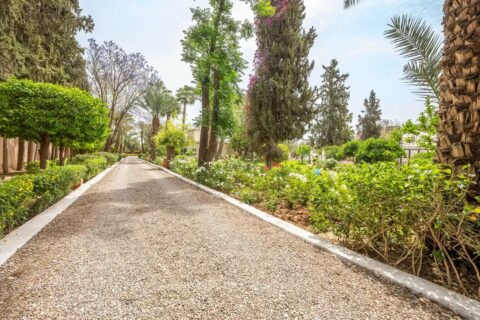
279 92
379 150
43 112
369 121
333 119
212 48
404 215
26 195
38 41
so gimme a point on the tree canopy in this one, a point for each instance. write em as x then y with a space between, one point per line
332 122
280 96
39 111
38 41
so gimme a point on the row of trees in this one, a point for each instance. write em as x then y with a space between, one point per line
212 49
38 43
47 113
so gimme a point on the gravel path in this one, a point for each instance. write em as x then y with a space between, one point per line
143 245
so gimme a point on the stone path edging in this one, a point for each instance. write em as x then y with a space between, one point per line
460 304
16 239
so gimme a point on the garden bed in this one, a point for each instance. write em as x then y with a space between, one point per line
414 218
24 196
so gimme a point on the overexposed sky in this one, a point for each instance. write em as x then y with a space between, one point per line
354 37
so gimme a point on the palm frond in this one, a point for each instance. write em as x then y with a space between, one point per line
350 3
418 42
424 78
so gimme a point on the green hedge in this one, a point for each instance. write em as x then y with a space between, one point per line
26 195
414 214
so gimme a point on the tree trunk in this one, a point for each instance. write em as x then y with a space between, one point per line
170 153
203 147
213 141
36 151
5 156
269 160
44 148
62 155
142 137
153 142
184 117
21 154
30 152
52 153
459 110
269 156
220 149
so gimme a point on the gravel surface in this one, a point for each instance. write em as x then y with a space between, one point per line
143 245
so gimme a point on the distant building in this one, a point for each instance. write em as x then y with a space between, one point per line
193 136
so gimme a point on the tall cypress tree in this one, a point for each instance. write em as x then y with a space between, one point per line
38 41
369 121
332 123
281 99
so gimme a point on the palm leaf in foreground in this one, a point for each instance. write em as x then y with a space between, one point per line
418 42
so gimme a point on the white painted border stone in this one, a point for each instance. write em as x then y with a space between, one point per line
20 236
460 304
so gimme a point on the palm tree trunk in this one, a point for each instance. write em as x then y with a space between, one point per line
21 154
459 129
153 142
5 156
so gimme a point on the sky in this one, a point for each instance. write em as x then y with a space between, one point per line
354 37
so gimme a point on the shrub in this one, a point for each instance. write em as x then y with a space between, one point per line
95 166
379 150
81 158
249 196
28 194
423 158
331 152
348 150
16 196
172 137
281 153
33 167
110 157
331 164
303 151
185 166
404 212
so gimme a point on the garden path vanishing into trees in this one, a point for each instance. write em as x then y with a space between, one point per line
142 244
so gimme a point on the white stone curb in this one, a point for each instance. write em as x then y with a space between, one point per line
460 304
20 236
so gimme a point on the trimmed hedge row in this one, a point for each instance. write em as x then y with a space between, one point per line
26 195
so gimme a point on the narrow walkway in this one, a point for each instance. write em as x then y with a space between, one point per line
143 245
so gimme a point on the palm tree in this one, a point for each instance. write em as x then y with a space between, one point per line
418 42
159 102
186 96
459 129
350 3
